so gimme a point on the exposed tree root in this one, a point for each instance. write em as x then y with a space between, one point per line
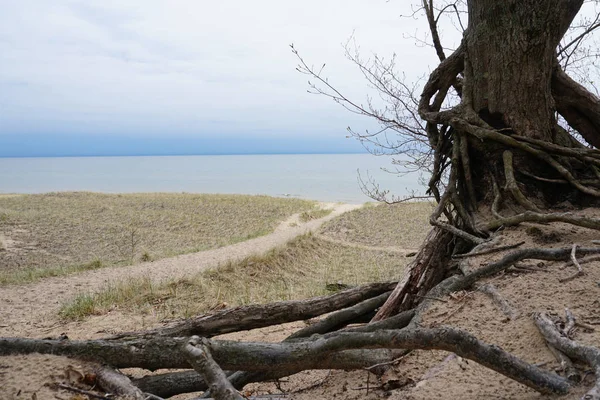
511 183
489 251
530 216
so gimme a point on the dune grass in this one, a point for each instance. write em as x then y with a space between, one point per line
402 225
315 214
298 270
60 233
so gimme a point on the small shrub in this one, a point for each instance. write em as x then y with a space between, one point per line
81 307
145 257
95 264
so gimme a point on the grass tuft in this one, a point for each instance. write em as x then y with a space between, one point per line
314 214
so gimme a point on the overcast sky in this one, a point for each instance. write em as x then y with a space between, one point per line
187 76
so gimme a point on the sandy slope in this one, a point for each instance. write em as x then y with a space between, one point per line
429 374
30 309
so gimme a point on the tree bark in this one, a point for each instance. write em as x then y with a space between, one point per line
116 383
425 271
510 55
261 315
297 355
588 354
199 357
579 107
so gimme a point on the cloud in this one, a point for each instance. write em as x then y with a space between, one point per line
193 67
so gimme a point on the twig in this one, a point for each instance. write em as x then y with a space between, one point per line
576 263
81 391
489 251
499 301
432 298
566 365
455 311
383 364
584 325
570 323
314 385
582 261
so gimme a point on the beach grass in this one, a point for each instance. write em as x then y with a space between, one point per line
315 214
402 225
56 234
303 268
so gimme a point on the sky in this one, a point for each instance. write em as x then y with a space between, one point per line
108 77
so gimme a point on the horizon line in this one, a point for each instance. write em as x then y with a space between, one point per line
185 154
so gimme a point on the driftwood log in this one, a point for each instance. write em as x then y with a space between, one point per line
259 316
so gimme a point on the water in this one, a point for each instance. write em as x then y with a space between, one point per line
324 177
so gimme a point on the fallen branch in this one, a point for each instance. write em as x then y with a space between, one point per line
307 354
171 384
341 318
588 354
499 301
259 316
576 263
428 267
117 384
199 357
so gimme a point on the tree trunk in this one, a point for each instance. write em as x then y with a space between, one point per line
510 58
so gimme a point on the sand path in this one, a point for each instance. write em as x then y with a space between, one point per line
30 309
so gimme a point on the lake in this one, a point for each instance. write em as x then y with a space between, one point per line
324 177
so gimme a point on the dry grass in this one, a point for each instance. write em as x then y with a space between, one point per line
315 214
60 233
301 269
401 225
